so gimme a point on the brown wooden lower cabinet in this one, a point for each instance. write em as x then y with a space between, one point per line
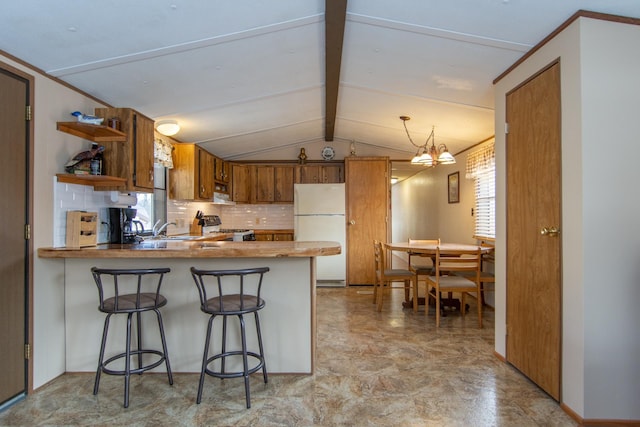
283 236
274 235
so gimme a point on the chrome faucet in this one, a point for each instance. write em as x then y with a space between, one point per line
157 230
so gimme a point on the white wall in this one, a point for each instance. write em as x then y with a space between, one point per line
52 149
611 68
420 207
600 251
414 210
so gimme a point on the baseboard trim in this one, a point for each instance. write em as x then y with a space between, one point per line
598 423
586 422
611 423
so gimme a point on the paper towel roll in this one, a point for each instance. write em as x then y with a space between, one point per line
122 199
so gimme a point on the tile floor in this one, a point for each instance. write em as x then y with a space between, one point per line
374 369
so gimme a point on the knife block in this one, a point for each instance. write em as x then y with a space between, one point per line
196 228
82 229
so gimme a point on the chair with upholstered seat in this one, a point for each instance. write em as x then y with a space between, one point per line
487 278
131 291
458 262
422 264
228 293
385 276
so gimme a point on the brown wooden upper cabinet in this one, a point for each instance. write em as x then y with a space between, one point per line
240 183
263 184
266 183
222 175
320 173
273 182
132 160
192 175
206 163
283 185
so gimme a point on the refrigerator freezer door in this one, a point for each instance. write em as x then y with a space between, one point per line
324 228
318 199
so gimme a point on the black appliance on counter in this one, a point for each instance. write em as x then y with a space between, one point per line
122 226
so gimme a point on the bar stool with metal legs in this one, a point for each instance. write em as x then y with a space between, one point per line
231 293
130 291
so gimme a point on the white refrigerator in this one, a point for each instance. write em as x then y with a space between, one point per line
319 214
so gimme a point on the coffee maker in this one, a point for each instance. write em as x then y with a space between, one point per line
122 226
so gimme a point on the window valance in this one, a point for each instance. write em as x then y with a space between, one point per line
162 153
481 161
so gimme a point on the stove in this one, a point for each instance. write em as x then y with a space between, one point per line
211 224
240 235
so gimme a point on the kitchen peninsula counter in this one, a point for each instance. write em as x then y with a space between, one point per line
197 249
288 319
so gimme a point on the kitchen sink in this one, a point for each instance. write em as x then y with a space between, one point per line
171 238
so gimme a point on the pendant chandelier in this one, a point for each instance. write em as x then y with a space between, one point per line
429 155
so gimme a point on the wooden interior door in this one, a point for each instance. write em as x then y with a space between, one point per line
533 205
14 251
367 191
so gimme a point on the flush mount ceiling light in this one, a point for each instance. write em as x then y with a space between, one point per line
168 127
429 155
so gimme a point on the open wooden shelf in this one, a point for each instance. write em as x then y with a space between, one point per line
97 181
95 133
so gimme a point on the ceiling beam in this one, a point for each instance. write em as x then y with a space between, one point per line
335 16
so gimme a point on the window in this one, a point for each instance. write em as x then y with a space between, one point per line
152 207
481 168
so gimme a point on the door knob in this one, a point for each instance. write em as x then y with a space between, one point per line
352 222
550 231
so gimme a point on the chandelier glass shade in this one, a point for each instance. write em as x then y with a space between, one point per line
429 154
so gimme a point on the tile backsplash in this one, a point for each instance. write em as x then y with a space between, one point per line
81 197
74 197
263 216
268 217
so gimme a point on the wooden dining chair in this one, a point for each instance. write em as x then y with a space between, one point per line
385 276
422 264
458 262
487 278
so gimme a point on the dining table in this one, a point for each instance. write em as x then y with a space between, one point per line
429 249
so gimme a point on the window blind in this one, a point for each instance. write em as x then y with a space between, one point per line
481 168
485 211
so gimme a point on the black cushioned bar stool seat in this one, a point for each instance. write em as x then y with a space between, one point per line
130 291
231 293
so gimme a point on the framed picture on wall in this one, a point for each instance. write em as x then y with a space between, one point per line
454 187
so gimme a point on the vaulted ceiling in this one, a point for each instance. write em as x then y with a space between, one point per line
249 77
